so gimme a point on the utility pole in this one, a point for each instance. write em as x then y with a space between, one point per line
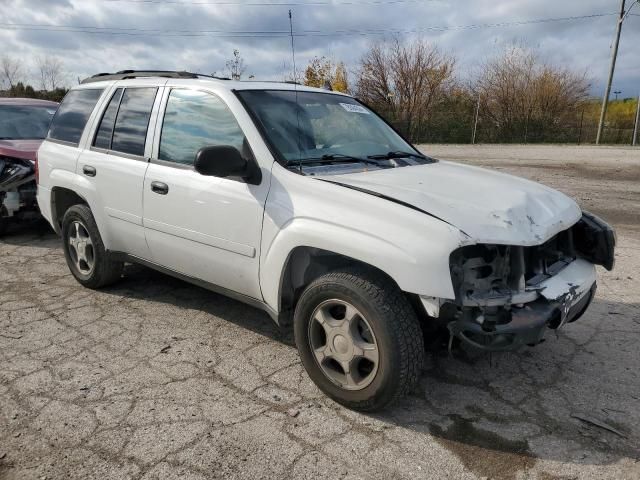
612 67
636 126
475 122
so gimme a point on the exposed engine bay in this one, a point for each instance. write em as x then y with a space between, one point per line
17 190
506 296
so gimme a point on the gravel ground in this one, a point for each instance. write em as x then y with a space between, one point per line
155 378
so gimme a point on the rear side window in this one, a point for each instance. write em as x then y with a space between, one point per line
72 115
130 131
105 131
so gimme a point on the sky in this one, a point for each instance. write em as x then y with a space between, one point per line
91 36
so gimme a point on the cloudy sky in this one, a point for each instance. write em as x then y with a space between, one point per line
92 36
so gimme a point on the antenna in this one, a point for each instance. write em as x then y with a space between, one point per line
293 47
295 87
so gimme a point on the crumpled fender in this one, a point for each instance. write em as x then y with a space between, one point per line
411 247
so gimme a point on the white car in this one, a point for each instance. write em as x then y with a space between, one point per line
305 203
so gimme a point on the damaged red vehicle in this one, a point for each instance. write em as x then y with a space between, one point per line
24 123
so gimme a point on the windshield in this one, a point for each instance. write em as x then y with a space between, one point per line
22 122
321 126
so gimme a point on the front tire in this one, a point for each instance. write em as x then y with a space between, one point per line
359 338
84 250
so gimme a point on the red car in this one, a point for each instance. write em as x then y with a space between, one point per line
24 123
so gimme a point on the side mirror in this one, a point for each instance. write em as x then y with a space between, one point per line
221 161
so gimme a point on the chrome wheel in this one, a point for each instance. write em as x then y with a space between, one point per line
343 344
81 248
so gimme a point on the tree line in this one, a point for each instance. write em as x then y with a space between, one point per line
48 71
514 97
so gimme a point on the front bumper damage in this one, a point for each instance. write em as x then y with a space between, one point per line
561 299
508 296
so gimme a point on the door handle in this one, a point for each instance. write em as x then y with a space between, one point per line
89 171
159 188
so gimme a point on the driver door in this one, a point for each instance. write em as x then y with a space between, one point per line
203 227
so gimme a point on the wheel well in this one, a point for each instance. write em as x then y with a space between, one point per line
303 266
61 200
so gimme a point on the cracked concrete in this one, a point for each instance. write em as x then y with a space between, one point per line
157 379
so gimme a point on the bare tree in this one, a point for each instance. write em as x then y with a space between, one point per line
11 69
236 66
404 81
521 96
50 72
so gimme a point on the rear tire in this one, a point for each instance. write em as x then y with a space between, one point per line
4 221
84 250
359 338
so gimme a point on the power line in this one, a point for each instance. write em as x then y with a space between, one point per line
276 3
277 33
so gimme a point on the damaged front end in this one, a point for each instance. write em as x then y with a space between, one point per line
17 190
507 296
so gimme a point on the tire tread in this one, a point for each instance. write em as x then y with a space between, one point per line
386 297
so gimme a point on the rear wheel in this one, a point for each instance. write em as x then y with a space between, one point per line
359 338
84 250
4 220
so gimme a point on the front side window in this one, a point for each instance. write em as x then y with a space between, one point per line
22 122
309 127
132 121
193 120
72 115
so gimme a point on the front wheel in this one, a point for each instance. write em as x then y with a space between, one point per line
358 338
84 250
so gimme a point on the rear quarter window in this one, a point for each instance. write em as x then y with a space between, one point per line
72 115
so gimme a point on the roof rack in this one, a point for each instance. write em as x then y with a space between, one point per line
125 74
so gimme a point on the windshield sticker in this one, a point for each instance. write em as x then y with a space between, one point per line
51 112
350 107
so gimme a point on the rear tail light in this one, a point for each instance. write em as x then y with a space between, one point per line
36 169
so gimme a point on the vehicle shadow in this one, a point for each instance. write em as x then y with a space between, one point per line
573 399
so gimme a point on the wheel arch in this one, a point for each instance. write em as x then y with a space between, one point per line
62 198
304 264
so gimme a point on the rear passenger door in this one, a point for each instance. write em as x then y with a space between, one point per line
201 226
116 162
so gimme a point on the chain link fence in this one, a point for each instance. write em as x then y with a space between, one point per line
455 124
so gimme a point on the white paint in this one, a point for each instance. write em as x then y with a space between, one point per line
490 206
240 236
578 276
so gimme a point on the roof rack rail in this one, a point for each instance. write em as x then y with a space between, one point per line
125 74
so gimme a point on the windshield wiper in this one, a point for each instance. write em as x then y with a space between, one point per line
333 157
397 154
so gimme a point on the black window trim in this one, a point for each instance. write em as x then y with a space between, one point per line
109 151
104 112
61 142
182 166
67 142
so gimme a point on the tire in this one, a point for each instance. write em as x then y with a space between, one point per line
4 221
97 269
375 313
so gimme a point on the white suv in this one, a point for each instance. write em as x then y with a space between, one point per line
305 203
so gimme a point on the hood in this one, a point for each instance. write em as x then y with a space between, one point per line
24 149
489 206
